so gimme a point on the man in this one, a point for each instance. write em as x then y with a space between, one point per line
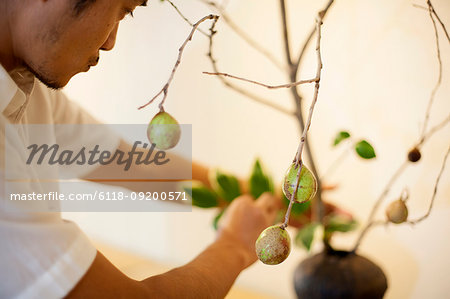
43 256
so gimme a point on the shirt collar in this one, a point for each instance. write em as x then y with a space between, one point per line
8 88
15 88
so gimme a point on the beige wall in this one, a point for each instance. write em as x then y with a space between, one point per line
379 68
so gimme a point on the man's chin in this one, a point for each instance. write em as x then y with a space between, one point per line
50 83
53 85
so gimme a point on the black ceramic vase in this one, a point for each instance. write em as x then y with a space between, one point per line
339 274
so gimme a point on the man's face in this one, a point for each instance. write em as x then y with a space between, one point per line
63 42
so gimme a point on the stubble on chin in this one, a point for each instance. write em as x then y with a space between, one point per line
44 78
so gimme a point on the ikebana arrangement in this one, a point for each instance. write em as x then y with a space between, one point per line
320 276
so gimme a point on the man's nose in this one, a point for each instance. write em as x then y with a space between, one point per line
110 42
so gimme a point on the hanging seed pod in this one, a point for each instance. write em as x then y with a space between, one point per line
414 155
307 187
273 245
163 131
397 212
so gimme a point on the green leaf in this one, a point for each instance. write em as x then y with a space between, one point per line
341 136
259 182
202 196
365 150
339 223
217 218
227 186
297 208
305 236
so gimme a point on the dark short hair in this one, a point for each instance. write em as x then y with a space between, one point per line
81 5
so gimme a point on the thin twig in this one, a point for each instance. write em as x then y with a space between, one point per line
379 223
180 53
434 191
227 83
186 19
439 20
298 62
424 136
318 207
433 130
247 38
336 162
438 83
380 199
257 98
420 6
287 47
298 157
394 178
296 66
288 85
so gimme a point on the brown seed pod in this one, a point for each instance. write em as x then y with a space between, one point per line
414 155
397 212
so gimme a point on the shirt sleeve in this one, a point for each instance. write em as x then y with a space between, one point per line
41 255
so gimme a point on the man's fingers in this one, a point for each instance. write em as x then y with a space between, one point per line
244 198
267 202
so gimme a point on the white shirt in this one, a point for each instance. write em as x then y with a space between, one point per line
41 255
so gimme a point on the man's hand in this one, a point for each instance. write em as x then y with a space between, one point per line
209 275
245 219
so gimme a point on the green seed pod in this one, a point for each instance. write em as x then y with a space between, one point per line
397 212
273 245
307 187
164 131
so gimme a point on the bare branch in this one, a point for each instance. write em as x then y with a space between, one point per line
439 20
236 88
247 38
379 223
318 207
180 53
256 98
303 49
424 135
334 165
287 47
399 171
298 156
433 130
438 83
288 85
436 15
186 19
380 199
298 62
420 6
434 191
